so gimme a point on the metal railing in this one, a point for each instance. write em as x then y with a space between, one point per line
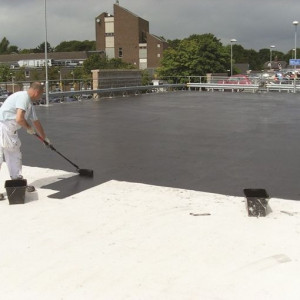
224 87
200 83
118 90
291 87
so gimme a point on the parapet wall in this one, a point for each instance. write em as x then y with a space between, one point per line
116 78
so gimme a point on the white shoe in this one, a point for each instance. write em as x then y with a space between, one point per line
30 188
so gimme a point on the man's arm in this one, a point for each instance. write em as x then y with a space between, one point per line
20 119
39 128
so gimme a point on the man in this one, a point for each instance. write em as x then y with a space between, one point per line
16 112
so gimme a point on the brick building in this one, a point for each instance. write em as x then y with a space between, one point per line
125 35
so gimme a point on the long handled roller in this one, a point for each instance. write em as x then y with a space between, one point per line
82 172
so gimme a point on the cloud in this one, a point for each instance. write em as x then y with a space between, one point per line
255 24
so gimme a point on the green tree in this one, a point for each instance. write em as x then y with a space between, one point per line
290 55
117 63
239 54
264 55
4 73
41 48
253 60
174 43
25 51
146 77
94 62
196 55
13 49
20 74
242 55
97 61
6 48
36 75
80 74
69 46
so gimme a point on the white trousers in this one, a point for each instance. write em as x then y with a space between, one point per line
10 148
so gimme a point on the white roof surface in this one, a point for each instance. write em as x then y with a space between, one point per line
122 240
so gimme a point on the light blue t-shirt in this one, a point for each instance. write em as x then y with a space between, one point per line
21 100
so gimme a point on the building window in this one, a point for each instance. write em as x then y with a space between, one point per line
27 73
120 52
158 45
143 37
158 55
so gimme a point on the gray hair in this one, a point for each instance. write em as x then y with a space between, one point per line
37 86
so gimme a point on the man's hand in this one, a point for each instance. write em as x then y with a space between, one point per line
47 142
30 130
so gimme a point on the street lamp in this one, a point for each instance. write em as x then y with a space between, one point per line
271 47
60 82
295 23
231 41
46 57
72 73
12 82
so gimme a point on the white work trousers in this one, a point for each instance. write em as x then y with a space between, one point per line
10 147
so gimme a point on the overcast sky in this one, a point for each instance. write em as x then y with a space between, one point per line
256 24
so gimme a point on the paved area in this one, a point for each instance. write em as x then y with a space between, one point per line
210 142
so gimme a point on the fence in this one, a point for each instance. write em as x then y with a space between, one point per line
239 84
120 90
200 83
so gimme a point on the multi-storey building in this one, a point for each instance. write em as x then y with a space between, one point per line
125 35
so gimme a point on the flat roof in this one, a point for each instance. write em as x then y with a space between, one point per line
212 142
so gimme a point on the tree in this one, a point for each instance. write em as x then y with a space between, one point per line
290 55
69 46
146 77
117 63
173 43
264 55
4 45
26 51
4 73
13 49
41 48
20 74
36 75
5 48
94 62
239 54
255 63
196 55
97 61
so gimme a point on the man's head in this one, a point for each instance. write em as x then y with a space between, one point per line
35 91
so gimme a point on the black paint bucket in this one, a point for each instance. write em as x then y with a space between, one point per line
15 190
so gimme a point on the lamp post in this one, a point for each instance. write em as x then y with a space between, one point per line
12 82
46 57
271 47
73 85
231 41
60 82
295 23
